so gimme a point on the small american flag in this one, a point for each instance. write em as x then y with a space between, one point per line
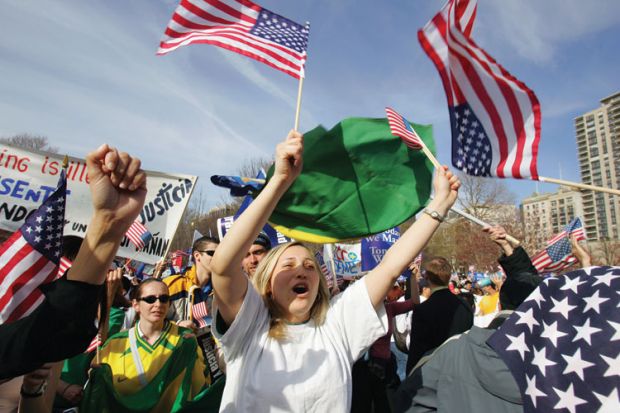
94 344
495 118
200 313
65 264
402 128
319 258
557 255
30 257
139 235
242 27
562 344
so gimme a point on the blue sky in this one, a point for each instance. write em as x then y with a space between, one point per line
85 72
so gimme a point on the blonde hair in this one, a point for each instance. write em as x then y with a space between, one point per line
262 283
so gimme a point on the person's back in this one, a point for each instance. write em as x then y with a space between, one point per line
438 318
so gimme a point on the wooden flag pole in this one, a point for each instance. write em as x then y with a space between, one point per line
480 222
298 109
579 185
429 154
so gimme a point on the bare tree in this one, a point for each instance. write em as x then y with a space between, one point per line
479 196
608 251
28 141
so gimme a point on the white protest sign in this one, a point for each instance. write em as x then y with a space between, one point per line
348 260
27 178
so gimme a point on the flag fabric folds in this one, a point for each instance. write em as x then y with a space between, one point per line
561 344
402 128
30 257
139 235
558 255
242 27
495 119
238 185
358 179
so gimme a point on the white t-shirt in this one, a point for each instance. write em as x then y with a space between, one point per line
310 370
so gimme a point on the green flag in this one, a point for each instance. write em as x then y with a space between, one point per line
358 179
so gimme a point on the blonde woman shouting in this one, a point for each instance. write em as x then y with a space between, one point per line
289 348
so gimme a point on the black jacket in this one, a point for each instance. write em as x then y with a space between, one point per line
438 318
521 279
61 327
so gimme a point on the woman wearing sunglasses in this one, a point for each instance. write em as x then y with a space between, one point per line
156 358
288 347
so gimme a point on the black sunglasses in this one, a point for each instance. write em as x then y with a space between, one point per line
150 299
208 252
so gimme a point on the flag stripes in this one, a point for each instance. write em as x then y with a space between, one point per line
403 129
29 258
138 235
200 312
508 111
236 25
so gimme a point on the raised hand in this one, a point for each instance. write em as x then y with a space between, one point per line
289 159
117 184
446 186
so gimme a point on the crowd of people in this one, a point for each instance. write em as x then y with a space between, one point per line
270 336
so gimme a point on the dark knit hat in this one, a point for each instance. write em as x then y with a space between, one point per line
263 240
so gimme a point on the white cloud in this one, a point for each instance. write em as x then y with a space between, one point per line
535 29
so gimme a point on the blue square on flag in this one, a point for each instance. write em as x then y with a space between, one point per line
471 147
280 30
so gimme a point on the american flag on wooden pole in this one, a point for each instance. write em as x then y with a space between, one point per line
495 118
402 128
242 27
30 257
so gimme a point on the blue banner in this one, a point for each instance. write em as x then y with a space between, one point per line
375 246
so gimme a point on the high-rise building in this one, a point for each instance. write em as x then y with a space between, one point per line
544 215
598 144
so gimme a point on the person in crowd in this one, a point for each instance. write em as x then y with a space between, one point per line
257 251
287 347
369 391
195 282
63 324
74 373
155 358
466 374
441 316
490 300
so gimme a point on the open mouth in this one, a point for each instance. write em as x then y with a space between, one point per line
300 289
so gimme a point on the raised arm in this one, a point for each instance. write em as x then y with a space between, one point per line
229 282
118 189
396 259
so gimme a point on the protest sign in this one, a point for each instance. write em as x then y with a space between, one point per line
348 260
28 177
375 246
276 238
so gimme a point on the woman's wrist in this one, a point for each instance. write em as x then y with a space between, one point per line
440 205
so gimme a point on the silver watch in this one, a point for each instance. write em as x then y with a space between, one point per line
434 214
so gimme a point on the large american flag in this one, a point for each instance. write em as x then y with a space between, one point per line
200 307
558 254
30 257
562 344
403 129
240 26
139 235
495 118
